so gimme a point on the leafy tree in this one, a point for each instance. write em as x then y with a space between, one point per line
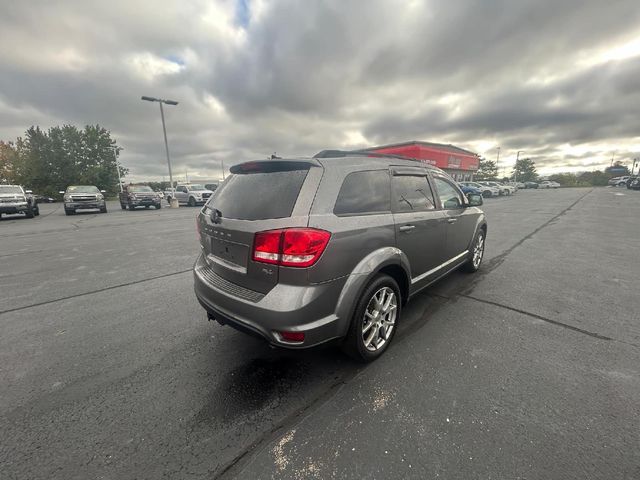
596 178
487 170
8 162
49 161
524 170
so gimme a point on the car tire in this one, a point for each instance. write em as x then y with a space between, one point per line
69 212
191 202
476 252
123 206
103 209
158 206
355 344
29 213
36 212
132 208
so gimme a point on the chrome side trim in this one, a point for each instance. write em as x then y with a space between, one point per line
439 267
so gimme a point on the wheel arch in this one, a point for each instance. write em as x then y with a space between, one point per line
389 261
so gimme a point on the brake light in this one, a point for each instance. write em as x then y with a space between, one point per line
290 247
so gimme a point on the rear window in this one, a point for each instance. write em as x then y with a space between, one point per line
364 192
259 195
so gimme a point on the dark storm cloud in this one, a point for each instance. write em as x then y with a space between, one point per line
254 77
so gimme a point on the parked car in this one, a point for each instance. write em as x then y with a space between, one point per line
306 251
634 183
190 194
83 197
548 184
512 188
530 185
619 181
486 190
211 186
14 199
502 189
44 199
133 196
466 189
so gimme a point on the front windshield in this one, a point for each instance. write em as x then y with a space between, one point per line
196 187
140 189
83 189
9 189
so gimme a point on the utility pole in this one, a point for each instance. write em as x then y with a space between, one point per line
498 162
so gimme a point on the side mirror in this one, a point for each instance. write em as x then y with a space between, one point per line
28 191
103 191
61 192
475 199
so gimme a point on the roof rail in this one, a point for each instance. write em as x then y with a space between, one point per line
363 153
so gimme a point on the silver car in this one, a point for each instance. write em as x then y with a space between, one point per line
307 251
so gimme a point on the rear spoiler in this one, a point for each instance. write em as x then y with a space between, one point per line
269 166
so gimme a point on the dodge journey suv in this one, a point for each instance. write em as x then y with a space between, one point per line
305 251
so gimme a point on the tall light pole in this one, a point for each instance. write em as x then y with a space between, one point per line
515 169
115 158
498 162
174 200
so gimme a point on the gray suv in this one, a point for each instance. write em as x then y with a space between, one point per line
305 251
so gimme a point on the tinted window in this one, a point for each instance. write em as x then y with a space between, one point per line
140 188
364 192
259 195
449 195
412 194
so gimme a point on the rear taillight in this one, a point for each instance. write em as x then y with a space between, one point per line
290 247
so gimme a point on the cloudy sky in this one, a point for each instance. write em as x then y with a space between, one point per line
558 79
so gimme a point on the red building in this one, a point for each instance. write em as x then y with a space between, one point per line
459 163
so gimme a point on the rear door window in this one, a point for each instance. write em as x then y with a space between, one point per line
261 192
366 192
412 193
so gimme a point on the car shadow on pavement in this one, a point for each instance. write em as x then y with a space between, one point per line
272 382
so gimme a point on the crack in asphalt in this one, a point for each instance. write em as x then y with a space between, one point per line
548 320
112 287
499 259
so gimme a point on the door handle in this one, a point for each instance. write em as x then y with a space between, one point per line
452 220
406 228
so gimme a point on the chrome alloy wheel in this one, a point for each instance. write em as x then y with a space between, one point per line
478 250
379 318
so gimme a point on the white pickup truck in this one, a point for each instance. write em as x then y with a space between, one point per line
190 194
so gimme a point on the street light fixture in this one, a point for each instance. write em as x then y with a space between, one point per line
174 200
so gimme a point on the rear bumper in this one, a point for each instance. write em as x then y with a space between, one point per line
310 309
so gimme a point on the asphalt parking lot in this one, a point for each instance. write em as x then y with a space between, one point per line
529 369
